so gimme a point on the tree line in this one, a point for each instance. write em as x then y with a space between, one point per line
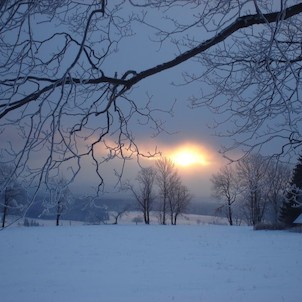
255 190
158 188
171 198
259 189
16 199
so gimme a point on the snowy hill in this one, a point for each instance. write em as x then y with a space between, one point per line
130 217
131 263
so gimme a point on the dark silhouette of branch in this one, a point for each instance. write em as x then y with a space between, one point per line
239 23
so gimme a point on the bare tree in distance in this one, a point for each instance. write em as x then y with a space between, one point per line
178 195
173 192
252 174
13 197
279 175
62 100
225 187
118 214
59 197
252 190
292 204
256 185
181 202
165 178
144 194
90 209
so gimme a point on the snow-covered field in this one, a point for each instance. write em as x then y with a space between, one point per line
149 263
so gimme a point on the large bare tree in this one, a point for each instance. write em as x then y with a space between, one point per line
253 189
144 192
225 187
59 197
279 175
180 202
62 98
167 179
252 174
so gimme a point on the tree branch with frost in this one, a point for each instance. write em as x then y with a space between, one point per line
65 98
239 23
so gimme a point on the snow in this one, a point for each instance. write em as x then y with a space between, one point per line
298 219
149 263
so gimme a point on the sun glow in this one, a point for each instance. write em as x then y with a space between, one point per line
189 156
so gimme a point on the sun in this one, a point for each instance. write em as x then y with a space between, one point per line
188 156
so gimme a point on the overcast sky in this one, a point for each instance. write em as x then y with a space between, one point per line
185 128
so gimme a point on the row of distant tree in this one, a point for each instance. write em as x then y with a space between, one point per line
157 188
54 202
256 189
16 199
160 188
259 189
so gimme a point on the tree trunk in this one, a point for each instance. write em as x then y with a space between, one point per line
230 213
58 220
59 210
4 215
148 217
175 218
164 212
171 217
5 209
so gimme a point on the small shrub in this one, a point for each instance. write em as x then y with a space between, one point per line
269 226
137 219
296 229
26 222
31 223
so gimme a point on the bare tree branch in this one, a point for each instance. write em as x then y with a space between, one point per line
63 102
